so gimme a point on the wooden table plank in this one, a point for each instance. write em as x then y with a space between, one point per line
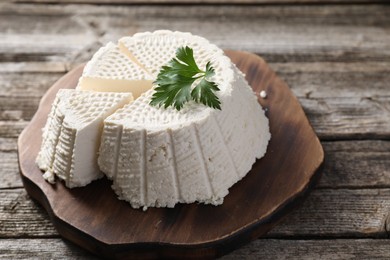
8 144
360 213
304 33
313 249
36 67
9 170
349 118
56 248
339 213
11 129
47 248
335 79
356 164
21 217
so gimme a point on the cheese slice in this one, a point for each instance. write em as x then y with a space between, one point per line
159 157
71 137
111 70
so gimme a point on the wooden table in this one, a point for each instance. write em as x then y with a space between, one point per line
334 55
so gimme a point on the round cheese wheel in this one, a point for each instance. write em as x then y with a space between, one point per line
159 157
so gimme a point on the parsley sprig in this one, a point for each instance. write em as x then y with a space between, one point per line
175 83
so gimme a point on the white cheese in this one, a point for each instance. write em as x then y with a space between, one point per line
110 70
159 157
153 50
156 157
72 134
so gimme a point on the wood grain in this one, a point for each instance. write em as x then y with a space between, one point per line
337 249
12 129
49 248
8 144
361 213
340 213
356 164
314 249
308 33
21 217
350 118
81 215
9 177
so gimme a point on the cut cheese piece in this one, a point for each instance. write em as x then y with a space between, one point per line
71 137
110 70
154 52
130 55
159 157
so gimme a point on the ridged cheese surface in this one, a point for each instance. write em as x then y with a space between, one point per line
158 157
71 137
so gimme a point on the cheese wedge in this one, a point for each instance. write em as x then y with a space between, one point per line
152 52
110 70
71 137
158 157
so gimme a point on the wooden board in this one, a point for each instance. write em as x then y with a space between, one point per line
93 218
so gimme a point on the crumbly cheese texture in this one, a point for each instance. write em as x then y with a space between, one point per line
111 70
71 136
159 157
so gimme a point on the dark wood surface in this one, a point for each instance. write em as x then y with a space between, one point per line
95 219
335 58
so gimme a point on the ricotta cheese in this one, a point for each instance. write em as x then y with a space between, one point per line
71 136
158 157
111 70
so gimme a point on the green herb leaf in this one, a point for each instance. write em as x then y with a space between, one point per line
181 80
203 93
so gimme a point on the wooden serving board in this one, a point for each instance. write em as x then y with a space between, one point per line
95 219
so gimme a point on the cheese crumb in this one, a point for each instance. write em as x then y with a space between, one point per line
49 176
263 94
